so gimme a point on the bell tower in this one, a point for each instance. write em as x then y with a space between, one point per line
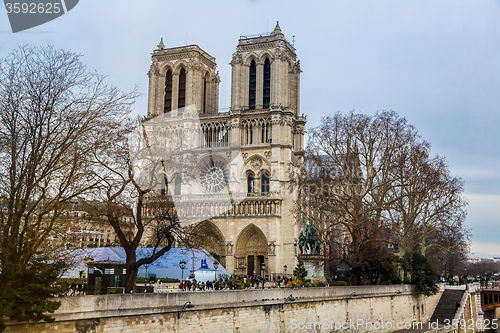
265 73
182 76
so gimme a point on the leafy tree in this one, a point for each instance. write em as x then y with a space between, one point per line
29 291
54 116
300 271
420 272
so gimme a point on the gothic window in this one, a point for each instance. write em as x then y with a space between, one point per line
267 84
164 186
250 182
250 134
214 134
252 85
168 92
177 188
182 89
205 97
265 182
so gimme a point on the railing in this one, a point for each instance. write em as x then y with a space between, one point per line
260 107
217 114
184 49
216 196
219 205
264 34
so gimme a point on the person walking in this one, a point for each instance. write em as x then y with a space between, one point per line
158 285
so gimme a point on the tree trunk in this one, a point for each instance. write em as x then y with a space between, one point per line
132 270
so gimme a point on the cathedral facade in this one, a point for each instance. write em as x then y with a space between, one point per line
263 125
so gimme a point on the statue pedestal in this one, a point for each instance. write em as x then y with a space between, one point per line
315 266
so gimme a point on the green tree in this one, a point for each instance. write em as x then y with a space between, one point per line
420 272
300 271
29 291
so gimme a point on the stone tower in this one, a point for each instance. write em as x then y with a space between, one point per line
182 76
259 233
254 85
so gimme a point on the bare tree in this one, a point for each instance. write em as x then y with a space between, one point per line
361 149
53 114
134 184
365 175
427 203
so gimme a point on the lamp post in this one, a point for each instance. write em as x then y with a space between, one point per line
147 277
182 265
186 305
285 267
216 265
287 300
263 267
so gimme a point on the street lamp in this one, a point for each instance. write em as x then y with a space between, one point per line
285 267
216 265
186 305
182 265
287 300
263 267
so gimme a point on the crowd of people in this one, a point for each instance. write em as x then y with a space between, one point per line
74 289
233 282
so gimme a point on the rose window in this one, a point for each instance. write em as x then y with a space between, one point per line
214 176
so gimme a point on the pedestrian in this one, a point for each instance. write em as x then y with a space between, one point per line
66 288
79 288
158 285
85 288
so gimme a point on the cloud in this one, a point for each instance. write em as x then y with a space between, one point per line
485 250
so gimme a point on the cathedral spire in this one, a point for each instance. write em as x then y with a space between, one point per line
161 46
277 29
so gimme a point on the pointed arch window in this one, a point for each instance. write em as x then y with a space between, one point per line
250 182
164 185
205 80
252 86
182 89
168 92
267 84
177 186
265 182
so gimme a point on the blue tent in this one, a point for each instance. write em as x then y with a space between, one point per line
165 266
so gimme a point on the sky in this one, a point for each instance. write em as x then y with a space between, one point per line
437 63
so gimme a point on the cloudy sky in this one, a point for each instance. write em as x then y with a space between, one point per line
437 63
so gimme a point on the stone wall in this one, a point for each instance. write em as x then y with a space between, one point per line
346 309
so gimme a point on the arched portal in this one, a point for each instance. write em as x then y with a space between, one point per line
206 235
251 250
